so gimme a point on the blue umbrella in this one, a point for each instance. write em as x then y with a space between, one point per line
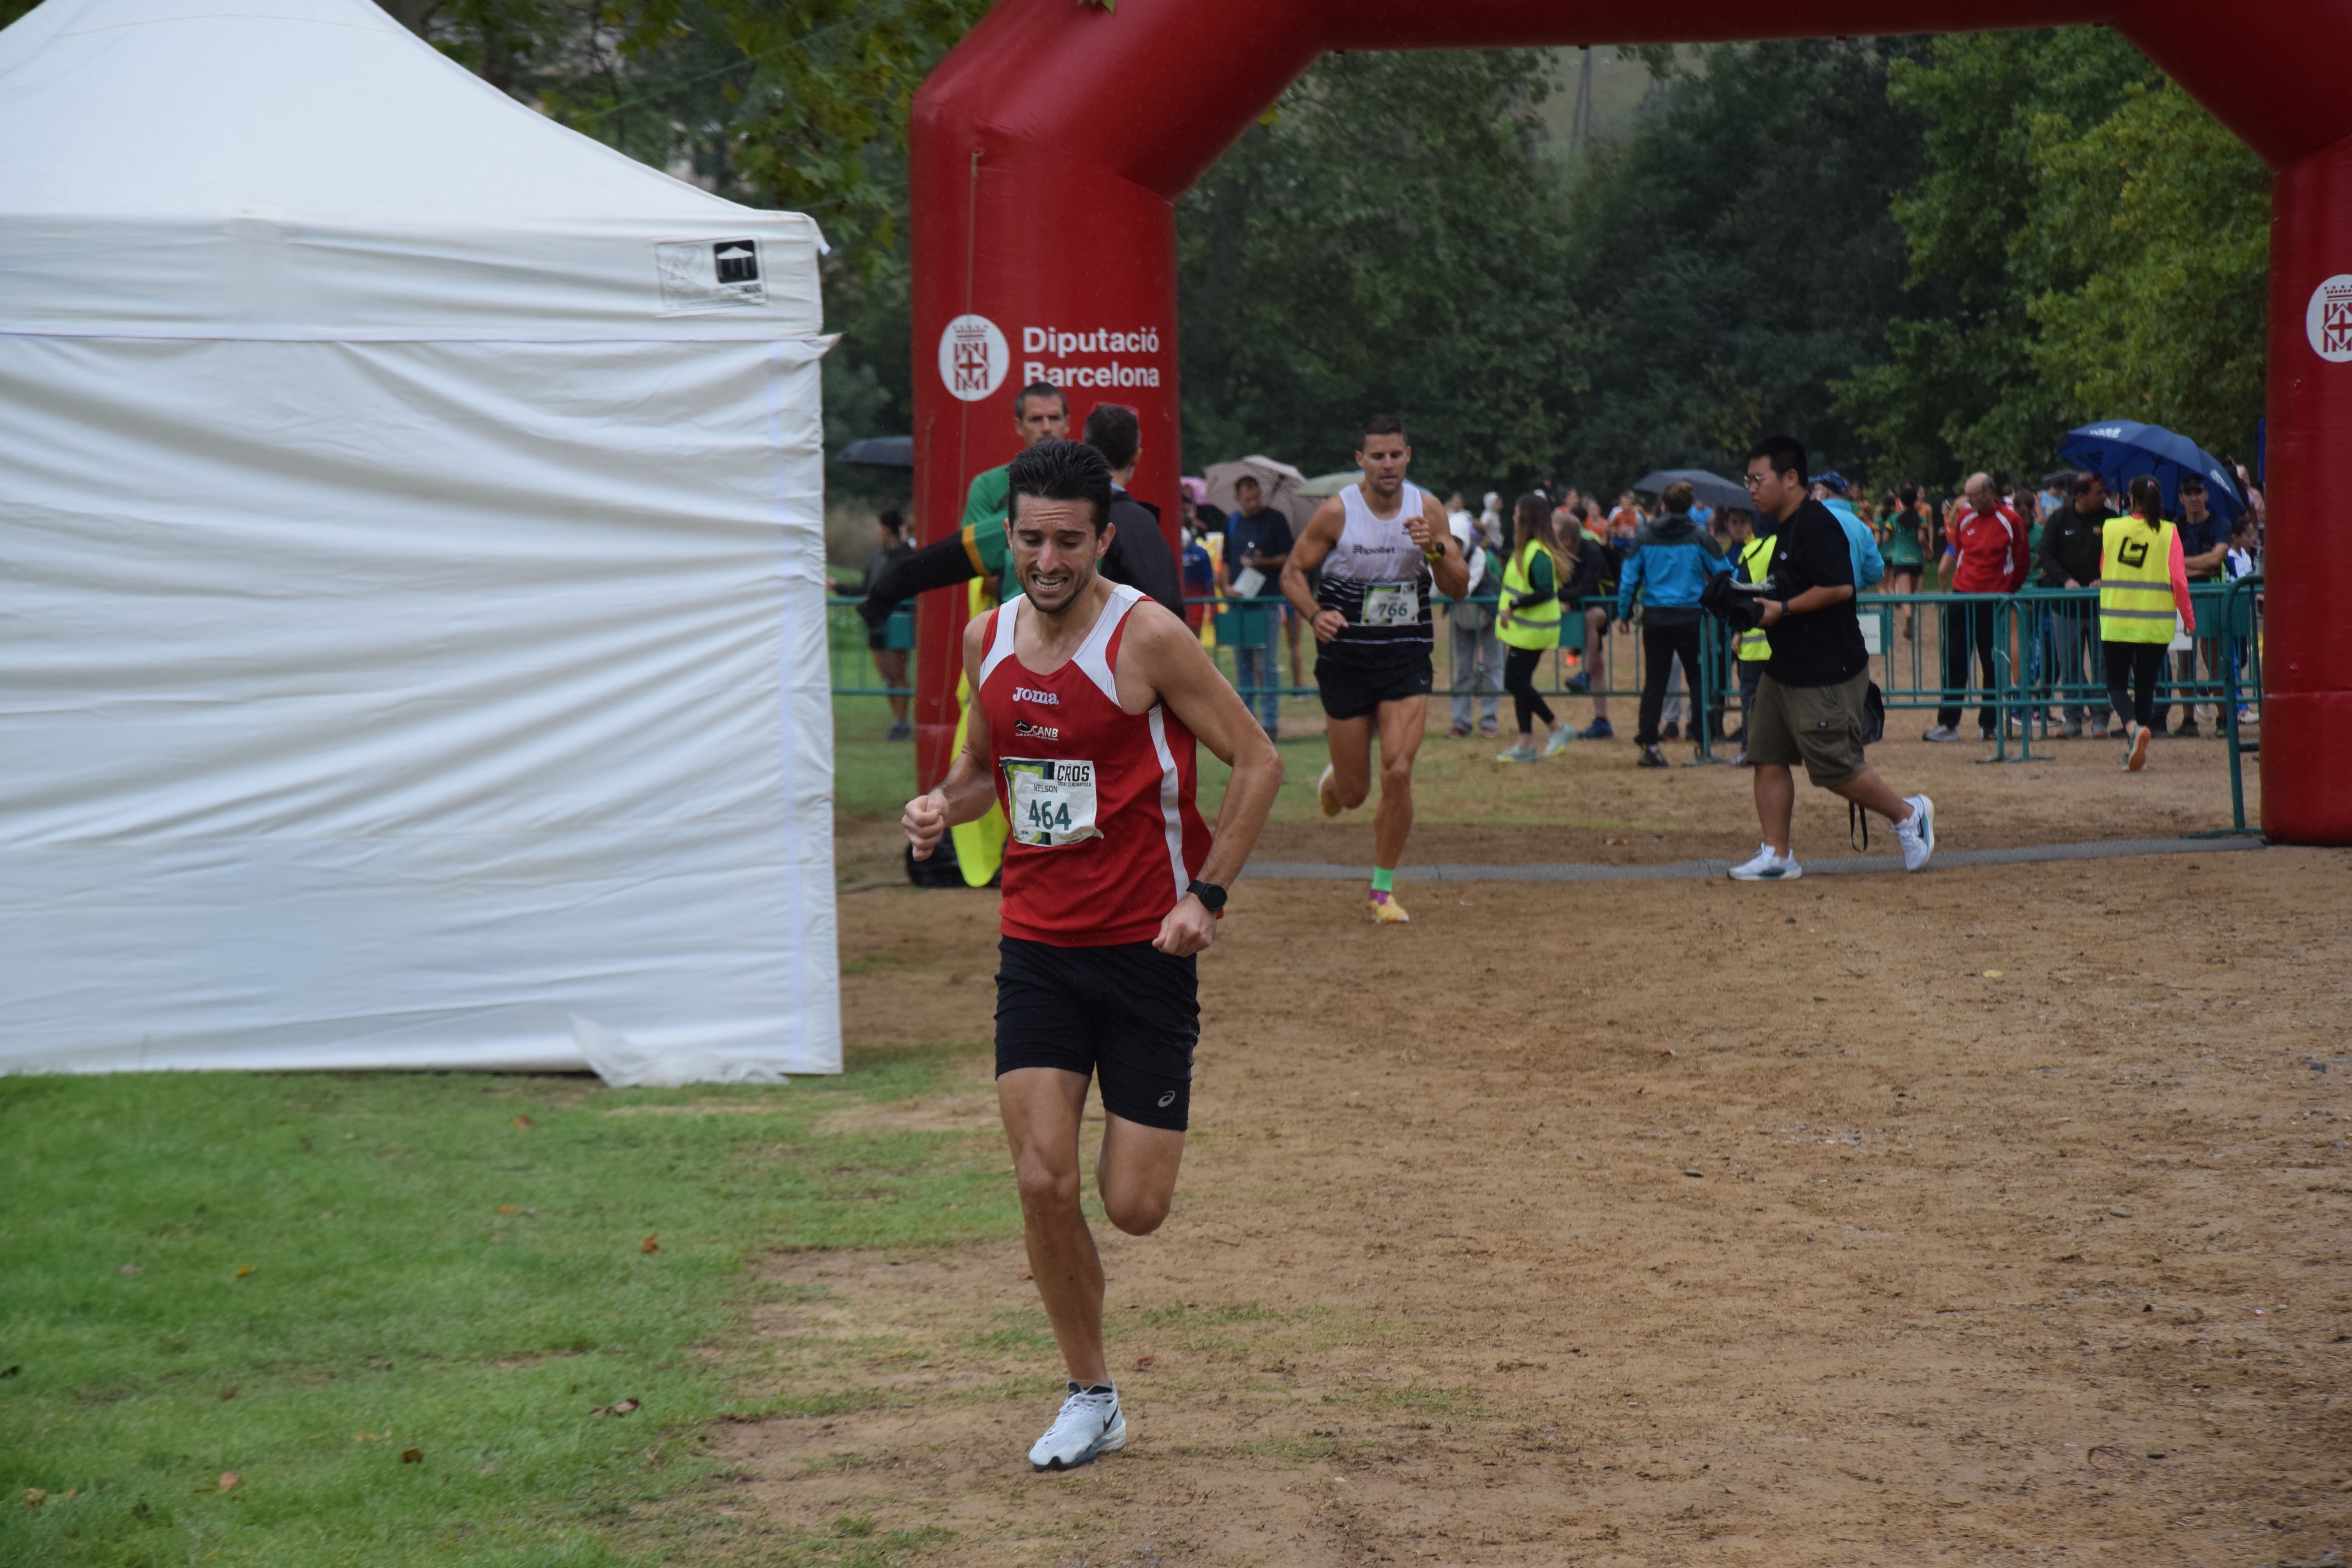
2120 451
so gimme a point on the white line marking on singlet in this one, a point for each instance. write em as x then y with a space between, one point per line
1168 806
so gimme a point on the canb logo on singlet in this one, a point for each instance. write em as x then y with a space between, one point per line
1035 732
1031 694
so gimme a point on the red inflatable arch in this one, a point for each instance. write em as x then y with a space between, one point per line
1049 147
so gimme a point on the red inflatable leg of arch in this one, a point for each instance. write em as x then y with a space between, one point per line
1048 147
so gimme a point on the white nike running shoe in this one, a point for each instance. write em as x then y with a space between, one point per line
1323 796
1091 1424
1917 833
1769 866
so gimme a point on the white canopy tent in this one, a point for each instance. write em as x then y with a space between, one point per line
412 628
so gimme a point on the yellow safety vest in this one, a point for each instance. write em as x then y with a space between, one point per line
1754 557
2135 581
1537 627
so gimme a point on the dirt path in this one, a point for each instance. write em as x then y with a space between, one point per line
1995 1215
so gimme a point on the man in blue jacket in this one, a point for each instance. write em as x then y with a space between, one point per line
1668 564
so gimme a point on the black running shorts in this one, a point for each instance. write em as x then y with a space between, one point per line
1357 691
1129 1014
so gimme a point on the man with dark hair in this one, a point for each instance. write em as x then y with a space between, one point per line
2205 542
1668 566
1381 544
1138 555
1087 702
2070 559
1809 702
1257 541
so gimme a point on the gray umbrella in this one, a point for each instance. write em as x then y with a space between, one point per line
1712 489
880 452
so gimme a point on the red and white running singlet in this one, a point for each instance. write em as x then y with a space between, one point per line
1106 835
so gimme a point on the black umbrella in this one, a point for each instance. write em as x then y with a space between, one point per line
1713 490
880 452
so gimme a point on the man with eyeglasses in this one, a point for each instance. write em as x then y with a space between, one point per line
1809 699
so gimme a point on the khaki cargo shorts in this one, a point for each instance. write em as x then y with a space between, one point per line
1818 725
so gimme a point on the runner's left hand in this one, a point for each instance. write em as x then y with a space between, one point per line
1189 929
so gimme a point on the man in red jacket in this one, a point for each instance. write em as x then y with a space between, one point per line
1986 553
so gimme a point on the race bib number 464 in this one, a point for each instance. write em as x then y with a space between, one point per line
1053 801
1391 605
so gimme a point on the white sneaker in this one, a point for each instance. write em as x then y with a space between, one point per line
1323 796
1089 1424
1916 832
1944 733
1556 742
1769 866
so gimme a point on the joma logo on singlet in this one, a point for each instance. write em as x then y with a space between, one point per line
1030 694
1035 732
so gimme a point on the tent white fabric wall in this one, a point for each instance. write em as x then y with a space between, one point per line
412 626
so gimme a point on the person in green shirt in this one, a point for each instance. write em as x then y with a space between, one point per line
1904 547
1040 412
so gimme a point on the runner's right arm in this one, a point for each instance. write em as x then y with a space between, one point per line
970 788
1306 555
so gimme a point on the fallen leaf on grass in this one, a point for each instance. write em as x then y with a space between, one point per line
1144 1362
34 1496
229 1478
243 1269
412 1456
523 1122
623 1408
650 1246
511 1209
129 1271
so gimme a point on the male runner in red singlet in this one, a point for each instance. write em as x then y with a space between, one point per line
1383 544
1087 701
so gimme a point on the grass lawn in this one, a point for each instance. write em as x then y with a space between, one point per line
388 1304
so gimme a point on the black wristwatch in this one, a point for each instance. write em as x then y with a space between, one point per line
1211 896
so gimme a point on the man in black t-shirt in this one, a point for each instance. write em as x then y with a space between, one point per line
1809 703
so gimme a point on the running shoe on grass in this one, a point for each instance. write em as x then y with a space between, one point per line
1089 1424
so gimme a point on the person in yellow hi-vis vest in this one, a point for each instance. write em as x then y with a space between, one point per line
1528 619
2143 586
1751 558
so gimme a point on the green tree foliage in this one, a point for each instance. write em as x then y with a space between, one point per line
1396 236
1736 257
800 104
775 103
1386 239
2085 243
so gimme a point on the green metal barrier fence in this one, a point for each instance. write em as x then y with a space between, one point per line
2047 667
